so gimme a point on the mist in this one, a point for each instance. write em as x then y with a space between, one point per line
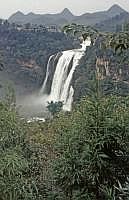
32 105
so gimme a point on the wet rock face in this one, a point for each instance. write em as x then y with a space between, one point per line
105 68
108 69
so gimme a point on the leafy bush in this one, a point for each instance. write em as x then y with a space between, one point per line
93 146
54 107
16 180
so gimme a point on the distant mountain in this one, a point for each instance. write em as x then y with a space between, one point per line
66 14
18 16
115 10
97 17
66 17
114 23
60 18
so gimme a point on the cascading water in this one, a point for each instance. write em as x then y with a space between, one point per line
61 90
47 74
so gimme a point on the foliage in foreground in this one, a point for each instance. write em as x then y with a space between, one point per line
79 155
92 148
17 180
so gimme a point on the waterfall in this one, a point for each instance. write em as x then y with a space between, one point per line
47 74
61 90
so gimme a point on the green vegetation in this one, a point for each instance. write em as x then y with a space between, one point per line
25 54
92 147
78 155
19 173
54 107
109 60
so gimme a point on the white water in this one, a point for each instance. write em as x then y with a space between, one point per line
47 74
61 90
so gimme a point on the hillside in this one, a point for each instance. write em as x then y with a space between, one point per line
112 70
66 17
114 23
25 55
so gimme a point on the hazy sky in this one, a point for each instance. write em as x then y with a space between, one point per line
7 7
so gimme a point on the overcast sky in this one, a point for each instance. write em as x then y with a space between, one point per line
7 7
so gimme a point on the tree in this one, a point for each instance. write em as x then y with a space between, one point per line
6 23
80 31
27 26
118 41
1 21
54 107
1 64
